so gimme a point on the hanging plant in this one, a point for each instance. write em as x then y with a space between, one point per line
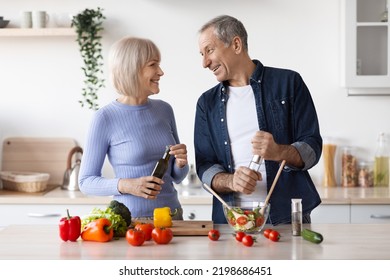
88 25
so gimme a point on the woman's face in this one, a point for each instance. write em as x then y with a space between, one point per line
150 77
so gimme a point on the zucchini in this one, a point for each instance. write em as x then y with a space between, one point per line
312 236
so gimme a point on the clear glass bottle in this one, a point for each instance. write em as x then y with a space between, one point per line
255 163
348 168
381 164
162 164
296 216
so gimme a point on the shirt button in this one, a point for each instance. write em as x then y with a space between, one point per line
221 120
226 143
223 99
229 166
283 102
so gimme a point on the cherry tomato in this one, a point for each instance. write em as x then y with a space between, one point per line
259 221
162 235
214 234
274 235
248 212
135 237
146 228
240 235
242 220
266 232
247 240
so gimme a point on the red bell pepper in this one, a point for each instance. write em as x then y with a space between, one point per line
70 227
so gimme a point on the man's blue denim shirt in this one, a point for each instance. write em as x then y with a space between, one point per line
286 110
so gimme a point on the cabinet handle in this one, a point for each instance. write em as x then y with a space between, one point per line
191 216
379 216
41 215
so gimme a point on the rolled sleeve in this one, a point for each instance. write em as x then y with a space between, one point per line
307 154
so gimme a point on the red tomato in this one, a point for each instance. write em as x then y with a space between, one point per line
214 234
247 240
242 220
146 228
259 221
240 235
135 237
267 232
162 235
274 235
248 212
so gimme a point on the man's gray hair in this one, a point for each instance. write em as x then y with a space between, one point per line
226 28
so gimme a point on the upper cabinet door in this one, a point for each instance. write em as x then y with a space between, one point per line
365 47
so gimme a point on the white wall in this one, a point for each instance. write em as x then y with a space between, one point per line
41 79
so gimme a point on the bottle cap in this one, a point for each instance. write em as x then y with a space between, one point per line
296 205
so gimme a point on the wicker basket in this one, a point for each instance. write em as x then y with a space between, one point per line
24 181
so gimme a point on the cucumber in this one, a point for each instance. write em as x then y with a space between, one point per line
312 236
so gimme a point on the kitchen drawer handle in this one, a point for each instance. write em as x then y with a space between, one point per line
379 216
41 215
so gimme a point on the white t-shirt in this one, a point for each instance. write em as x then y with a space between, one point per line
242 124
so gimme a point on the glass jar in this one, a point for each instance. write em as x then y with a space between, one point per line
348 168
328 155
366 174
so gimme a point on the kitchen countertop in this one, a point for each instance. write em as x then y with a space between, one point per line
341 242
56 195
195 196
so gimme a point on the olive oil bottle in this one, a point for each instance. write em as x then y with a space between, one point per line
162 164
381 166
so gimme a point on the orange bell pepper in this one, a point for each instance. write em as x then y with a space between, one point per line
99 230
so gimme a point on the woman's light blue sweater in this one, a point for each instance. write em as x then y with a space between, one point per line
133 138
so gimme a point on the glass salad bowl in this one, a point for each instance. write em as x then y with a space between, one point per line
246 216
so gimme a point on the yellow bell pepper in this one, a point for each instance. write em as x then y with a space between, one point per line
162 217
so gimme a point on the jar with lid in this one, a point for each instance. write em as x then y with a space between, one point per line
366 174
348 168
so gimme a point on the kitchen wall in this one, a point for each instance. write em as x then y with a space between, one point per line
41 79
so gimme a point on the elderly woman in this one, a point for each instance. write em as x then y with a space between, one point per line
133 131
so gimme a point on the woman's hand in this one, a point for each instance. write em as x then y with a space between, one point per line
179 151
147 187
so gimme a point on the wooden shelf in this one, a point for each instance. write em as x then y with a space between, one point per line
38 32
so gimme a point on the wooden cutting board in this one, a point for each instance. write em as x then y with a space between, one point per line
189 228
37 154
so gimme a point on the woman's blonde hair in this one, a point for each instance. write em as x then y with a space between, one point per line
126 59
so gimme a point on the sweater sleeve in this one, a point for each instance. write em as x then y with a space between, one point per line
91 181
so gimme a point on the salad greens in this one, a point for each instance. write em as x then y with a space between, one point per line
118 222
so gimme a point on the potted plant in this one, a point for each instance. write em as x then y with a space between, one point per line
88 25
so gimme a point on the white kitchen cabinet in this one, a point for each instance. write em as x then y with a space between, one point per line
365 47
197 212
331 214
40 213
370 214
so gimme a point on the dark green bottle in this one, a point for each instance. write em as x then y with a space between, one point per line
162 164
